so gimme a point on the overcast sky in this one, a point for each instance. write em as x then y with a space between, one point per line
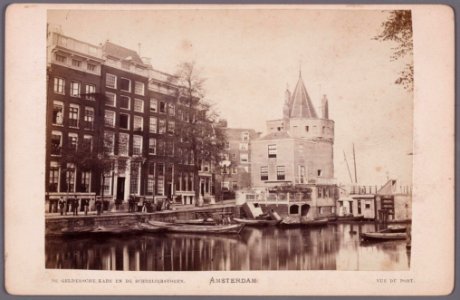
250 56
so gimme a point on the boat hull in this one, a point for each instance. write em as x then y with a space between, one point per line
383 236
202 229
255 222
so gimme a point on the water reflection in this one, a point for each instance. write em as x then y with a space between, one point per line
328 248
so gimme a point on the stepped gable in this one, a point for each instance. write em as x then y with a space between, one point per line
114 50
301 105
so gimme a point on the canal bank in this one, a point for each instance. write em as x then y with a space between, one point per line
55 223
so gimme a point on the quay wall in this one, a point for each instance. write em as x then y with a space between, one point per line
53 225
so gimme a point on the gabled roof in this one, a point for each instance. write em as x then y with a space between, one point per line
301 105
276 135
120 52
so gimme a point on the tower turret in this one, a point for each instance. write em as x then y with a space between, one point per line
325 107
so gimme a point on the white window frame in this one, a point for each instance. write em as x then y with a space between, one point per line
137 101
242 156
59 103
89 137
72 136
59 133
109 95
153 104
140 121
109 136
120 101
137 85
90 89
129 87
114 77
57 87
55 165
128 122
137 140
72 84
113 119
153 123
78 114
153 141
125 135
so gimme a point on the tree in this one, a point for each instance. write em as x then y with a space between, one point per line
203 140
398 28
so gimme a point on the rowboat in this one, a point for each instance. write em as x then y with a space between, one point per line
150 228
396 229
256 222
203 229
383 236
116 229
196 222
316 222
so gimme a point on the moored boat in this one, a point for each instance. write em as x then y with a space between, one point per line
350 218
383 236
256 222
204 229
316 222
196 222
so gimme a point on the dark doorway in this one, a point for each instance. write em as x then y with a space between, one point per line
120 188
294 210
304 210
351 206
169 190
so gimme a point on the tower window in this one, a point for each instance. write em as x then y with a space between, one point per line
271 151
320 172
307 128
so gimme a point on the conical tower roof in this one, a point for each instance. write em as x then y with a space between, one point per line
301 106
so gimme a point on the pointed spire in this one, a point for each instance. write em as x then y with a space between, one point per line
301 105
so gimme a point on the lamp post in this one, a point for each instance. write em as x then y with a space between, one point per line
225 165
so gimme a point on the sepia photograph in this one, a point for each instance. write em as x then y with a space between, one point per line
208 149
266 142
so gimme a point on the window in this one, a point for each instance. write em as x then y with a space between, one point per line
245 136
70 177
139 88
76 63
307 128
124 102
153 125
153 105
90 90
73 115
320 172
162 107
152 146
110 99
161 147
125 84
110 81
134 182
59 85
162 126
89 118
107 184
264 173
124 121
271 151
138 105
85 181
75 89
60 58
123 144
109 141
244 158
280 173
138 123
171 109
137 145
73 141
171 127
56 143
87 143
109 118
58 113
244 146
53 181
367 205
302 178
91 67
151 179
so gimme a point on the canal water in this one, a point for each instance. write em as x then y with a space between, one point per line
334 247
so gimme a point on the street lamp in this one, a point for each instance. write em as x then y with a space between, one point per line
225 165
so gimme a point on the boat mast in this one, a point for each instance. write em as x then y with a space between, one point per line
354 162
348 167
